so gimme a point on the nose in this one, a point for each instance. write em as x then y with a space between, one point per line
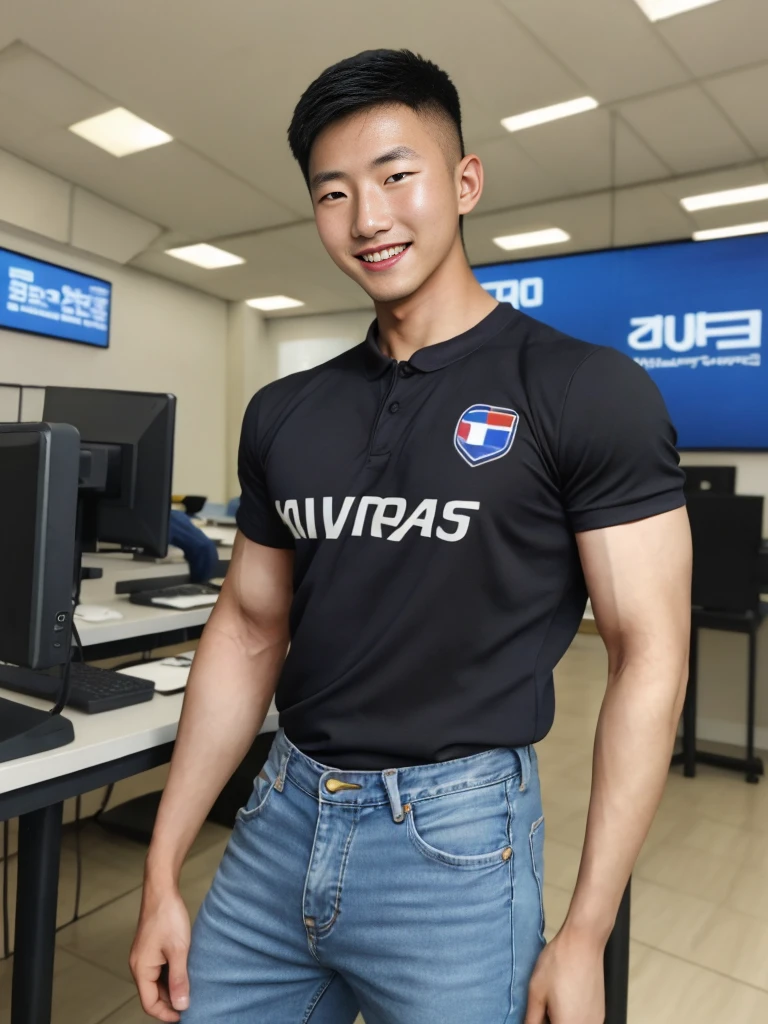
371 214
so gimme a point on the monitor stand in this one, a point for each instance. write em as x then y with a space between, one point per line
25 730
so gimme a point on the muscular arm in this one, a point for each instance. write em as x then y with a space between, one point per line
639 580
233 679
230 687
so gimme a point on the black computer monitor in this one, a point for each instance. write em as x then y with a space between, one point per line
133 432
38 509
710 479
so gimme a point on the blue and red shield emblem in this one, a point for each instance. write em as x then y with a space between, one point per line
484 433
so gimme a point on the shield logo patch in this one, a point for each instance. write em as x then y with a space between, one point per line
485 433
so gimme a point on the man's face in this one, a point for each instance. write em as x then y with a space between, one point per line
382 179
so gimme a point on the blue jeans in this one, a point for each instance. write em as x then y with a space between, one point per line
413 895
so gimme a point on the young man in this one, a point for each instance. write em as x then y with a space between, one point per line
421 517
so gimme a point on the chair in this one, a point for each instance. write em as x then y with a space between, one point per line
727 536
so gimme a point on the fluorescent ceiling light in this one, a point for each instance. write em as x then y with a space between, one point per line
120 132
530 239
553 113
731 197
270 302
206 256
657 10
731 232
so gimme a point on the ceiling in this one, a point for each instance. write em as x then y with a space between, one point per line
680 114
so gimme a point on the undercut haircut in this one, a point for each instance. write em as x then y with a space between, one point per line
370 79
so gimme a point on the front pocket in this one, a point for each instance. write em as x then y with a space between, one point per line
263 786
536 843
466 829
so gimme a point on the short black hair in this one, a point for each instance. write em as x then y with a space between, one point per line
372 78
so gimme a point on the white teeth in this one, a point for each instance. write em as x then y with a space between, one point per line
384 254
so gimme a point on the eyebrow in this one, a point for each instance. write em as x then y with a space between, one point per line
398 153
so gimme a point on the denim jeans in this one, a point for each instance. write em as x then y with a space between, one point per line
413 895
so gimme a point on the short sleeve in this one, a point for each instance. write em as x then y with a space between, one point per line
617 458
257 516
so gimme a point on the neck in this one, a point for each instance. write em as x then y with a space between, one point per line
449 302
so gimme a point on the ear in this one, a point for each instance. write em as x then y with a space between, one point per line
469 181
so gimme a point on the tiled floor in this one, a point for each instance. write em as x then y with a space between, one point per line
700 896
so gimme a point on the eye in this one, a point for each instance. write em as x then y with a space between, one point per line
329 195
399 175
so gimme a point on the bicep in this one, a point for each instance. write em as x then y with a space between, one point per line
638 575
258 588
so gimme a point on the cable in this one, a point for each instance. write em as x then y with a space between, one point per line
6 924
78 856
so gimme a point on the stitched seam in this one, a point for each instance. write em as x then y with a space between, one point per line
565 399
452 860
337 898
319 995
512 859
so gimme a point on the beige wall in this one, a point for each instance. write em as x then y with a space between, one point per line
164 337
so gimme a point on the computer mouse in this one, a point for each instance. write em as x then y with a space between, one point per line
96 613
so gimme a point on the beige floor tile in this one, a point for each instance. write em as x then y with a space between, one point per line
105 938
556 904
561 864
666 990
82 993
688 870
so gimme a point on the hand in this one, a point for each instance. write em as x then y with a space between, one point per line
158 958
568 986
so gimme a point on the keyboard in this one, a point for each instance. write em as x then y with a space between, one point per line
92 689
184 595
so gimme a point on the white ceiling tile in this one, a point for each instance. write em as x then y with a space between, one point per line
646 214
58 96
587 220
743 95
609 45
576 148
635 161
512 178
168 185
719 37
105 229
686 129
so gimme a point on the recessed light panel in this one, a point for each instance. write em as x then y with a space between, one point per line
531 239
120 132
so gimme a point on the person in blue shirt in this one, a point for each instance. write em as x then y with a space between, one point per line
200 551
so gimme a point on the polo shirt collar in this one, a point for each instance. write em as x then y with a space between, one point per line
443 353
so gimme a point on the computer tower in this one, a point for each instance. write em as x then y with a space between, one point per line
39 465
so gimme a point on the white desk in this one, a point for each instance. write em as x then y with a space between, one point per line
109 746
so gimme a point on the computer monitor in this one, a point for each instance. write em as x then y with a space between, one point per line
710 479
38 510
132 431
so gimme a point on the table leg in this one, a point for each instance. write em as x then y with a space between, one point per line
37 895
616 965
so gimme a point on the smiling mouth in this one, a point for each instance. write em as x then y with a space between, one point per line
384 256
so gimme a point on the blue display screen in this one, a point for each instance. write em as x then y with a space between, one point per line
690 313
42 298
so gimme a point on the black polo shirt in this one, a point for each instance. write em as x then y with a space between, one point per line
433 506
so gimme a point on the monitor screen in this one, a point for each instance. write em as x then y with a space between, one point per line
42 298
690 313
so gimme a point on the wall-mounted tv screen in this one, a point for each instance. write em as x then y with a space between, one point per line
43 298
690 313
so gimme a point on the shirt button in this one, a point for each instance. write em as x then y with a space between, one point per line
394 407
405 370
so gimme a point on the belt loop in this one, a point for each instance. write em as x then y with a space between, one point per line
390 781
280 781
525 766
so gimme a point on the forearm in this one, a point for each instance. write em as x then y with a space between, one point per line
633 745
227 698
